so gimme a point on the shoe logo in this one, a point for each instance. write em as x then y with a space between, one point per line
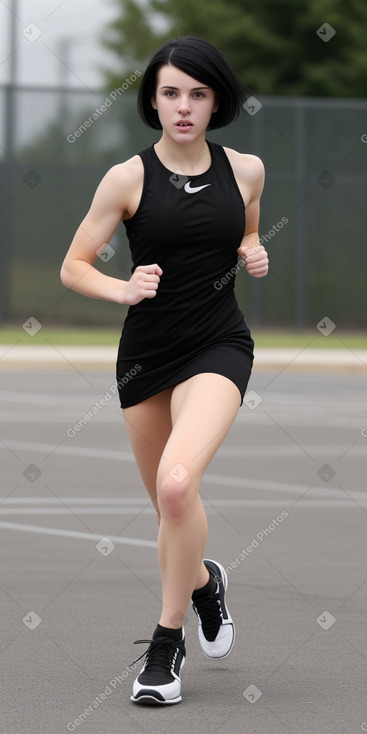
173 665
194 189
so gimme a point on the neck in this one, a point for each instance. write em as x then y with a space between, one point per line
190 159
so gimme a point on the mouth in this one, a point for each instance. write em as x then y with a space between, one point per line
184 123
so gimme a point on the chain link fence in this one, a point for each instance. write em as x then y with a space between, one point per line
56 145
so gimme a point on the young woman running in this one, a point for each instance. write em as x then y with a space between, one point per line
185 343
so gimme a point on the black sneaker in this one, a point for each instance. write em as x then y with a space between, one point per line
216 628
159 679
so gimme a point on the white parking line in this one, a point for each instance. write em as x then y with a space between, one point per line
267 451
26 398
225 481
138 505
210 507
48 448
59 417
75 500
280 487
273 451
77 511
74 534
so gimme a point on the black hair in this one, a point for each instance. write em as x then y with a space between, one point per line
202 61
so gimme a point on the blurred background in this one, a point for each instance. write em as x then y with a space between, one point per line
63 125
68 88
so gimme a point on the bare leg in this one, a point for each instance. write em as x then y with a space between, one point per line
149 425
199 425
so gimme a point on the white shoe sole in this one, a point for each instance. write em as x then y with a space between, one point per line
230 620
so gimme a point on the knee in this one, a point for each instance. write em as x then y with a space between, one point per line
175 499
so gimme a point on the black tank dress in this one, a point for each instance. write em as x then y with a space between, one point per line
191 226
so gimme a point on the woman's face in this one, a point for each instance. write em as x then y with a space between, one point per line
184 105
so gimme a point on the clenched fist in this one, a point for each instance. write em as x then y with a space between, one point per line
255 259
142 284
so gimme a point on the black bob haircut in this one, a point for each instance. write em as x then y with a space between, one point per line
200 60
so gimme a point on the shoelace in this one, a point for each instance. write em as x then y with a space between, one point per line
210 612
158 654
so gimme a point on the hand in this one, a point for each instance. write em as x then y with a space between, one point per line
256 260
142 284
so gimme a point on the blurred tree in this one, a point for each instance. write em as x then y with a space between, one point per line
273 44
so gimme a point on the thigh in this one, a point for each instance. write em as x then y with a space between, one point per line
203 409
149 425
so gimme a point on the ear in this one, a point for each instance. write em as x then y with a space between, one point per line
216 104
153 102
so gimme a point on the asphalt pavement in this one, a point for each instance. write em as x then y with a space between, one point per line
286 501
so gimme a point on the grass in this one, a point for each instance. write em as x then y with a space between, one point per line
110 337
77 337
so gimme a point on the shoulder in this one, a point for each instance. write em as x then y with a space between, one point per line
246 167
129 173
119 186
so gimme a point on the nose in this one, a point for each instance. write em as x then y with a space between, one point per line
184 105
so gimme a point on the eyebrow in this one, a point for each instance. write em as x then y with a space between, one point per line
194 89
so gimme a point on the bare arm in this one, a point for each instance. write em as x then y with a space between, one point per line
250 176
110 203
253 254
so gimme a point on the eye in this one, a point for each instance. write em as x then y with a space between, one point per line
169 93
199 94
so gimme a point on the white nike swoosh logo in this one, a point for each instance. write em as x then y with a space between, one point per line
194 189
